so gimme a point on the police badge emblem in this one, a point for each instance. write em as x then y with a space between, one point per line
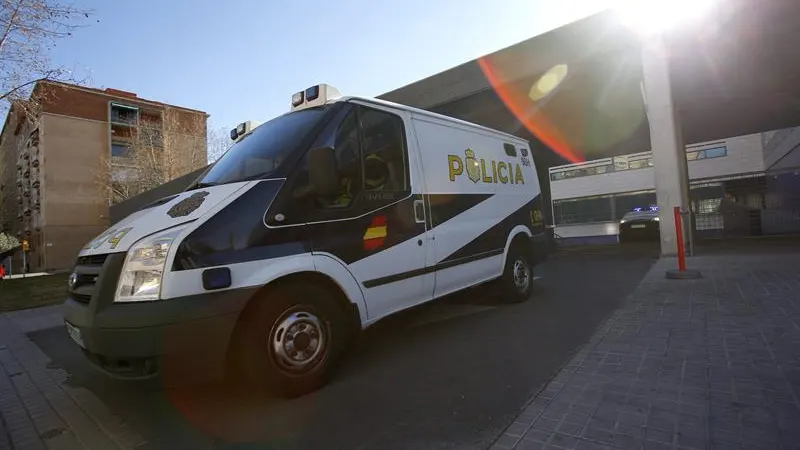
473 171
187 205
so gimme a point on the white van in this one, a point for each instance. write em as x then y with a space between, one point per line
314 225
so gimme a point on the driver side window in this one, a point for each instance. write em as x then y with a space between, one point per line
347 150
371 160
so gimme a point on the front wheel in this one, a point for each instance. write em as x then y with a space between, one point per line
291 340
517 279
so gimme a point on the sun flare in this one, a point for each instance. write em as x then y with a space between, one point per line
657 16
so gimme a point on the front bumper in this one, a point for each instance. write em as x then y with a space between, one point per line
183 339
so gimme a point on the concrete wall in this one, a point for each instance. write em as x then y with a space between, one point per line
16 136
72 155
74 208
607 183
9 149
745 155
782 149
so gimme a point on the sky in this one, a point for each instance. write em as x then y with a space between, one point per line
241 60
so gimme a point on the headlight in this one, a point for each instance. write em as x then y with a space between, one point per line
144 267
657 219
622 221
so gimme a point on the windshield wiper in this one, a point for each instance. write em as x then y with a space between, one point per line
200 186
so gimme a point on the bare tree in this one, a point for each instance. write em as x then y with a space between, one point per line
160 148
29 29
219 142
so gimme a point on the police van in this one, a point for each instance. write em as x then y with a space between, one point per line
313 226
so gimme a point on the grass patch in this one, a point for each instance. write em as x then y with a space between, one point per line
25 293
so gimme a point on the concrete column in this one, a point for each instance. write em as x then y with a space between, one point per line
669 154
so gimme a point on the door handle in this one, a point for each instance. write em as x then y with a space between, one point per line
419 211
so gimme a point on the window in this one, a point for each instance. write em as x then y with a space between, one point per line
124 114
583 210
259 154
707 153
640 164
582 172
118 149
384 151
602 169
716 152
370 153
348 159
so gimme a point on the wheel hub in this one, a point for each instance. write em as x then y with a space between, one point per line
298 341
522 275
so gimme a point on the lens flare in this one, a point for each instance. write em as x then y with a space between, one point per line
548 82
649 17
525 110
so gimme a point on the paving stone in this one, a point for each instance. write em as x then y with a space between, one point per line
710 363
36 408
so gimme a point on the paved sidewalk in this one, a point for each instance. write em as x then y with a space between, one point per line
38 408
702 364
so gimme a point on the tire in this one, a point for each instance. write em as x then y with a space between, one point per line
517 279
273 364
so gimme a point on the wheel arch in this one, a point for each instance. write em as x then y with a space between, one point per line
517 234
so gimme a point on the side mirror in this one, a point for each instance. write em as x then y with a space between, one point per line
323 171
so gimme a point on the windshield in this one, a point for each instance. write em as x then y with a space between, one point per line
262 152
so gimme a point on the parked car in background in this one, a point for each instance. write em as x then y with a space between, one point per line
641 224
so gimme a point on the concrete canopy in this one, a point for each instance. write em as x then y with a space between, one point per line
735 73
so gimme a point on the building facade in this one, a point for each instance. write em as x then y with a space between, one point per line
741 186
71 152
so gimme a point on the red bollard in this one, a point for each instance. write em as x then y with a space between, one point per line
679 238
681 273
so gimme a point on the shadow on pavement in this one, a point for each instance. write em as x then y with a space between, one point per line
451 374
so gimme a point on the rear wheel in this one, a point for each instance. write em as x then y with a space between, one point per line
291 339
517 279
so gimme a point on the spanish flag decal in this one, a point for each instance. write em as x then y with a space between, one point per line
375 235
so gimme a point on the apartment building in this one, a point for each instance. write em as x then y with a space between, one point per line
71 152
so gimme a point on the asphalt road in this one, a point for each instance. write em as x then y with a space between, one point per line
449 375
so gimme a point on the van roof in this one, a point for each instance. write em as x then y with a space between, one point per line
429 114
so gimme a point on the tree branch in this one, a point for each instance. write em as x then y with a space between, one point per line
23 86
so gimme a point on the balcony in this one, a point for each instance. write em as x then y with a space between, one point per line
124 115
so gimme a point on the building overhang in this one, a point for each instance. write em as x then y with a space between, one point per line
734 73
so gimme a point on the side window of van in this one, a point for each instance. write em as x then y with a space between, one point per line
348 158
384 151
370 151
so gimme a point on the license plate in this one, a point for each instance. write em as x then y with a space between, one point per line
75 334
638 225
